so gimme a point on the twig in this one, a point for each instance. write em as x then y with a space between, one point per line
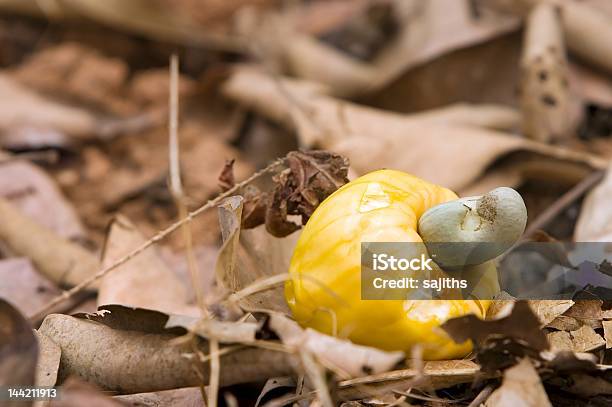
215 370
155 239
482 396
562 203
176 186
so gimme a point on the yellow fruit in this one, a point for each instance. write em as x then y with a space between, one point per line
324 289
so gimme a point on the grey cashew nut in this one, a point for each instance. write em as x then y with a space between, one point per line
485 225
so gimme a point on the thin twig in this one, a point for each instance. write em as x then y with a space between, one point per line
155 239
215 370
482 396
562 203
176 186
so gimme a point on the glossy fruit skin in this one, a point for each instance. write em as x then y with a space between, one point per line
324 289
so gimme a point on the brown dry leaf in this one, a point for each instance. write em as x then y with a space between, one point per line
97 353
18 350
48 362
144 281
76 393
62 261
585 339
564 323
374 139
521 386
188 397
25 110
250 255
560 341
311 177
30 189
337 354
202 163
522 324
188 22
595 221
151 87
607 327
79 73
547 310
23 285
587 312
427 30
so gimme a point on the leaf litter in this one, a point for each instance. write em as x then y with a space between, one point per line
105 112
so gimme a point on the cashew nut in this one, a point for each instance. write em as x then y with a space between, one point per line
487 225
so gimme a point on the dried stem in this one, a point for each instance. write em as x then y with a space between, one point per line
176 186
156 238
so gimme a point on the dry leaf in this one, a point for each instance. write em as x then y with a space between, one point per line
144 281
595 220
24 109
374 139
522 324
521 387
585 339
97 353
560 341
48 362
36 195
18 350
251 255
548 310
427 31
23 285
607 327
79 73
62 261
339 355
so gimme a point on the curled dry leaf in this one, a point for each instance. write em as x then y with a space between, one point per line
64 262
339 355
97 353
522 325
311 177
373 139
48 362
18 350
144 281
521 386
251 255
